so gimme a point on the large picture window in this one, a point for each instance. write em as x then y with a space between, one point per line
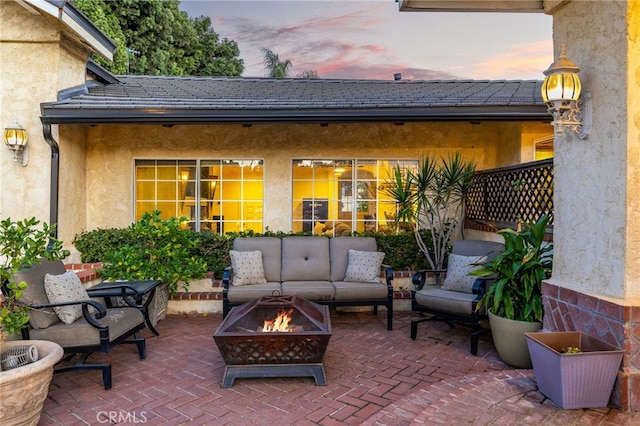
337 197
213 195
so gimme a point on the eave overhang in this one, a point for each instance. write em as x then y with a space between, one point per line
89 116
525 6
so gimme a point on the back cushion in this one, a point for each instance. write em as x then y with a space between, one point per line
305 259
271 249
35 293
340 246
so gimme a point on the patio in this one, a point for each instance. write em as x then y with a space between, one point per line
375 377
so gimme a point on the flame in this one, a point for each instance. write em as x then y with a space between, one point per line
280 323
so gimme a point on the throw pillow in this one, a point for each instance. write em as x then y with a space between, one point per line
65 288
458 269
247 267
364 266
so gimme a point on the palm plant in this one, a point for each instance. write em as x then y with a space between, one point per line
275 67
432 197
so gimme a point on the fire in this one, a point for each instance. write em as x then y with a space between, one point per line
280 323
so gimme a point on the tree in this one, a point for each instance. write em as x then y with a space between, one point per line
274 66
155 37
308 74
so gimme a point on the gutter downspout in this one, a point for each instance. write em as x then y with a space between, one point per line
55 176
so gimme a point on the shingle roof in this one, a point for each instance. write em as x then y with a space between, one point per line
150 99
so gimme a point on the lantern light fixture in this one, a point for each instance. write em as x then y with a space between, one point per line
561 92
15 137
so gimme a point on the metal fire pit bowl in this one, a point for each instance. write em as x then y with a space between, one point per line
248 352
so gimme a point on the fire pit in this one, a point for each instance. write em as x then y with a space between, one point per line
274 337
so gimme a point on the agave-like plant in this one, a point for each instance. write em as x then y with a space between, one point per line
432 197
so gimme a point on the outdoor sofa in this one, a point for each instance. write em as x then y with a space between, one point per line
339 271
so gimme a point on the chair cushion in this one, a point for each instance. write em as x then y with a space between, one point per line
310 290
447 301
247 267
65 288
245 293
458 269
364 266
81 334
348 291
34 294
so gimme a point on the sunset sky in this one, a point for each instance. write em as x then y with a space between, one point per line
372 39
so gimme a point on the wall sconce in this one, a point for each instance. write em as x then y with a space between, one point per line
15 137
561 92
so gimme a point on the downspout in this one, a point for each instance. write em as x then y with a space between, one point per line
55 177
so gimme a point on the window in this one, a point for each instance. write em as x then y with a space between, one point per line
214 195
337 197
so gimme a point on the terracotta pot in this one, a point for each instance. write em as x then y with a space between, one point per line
510 341
25 388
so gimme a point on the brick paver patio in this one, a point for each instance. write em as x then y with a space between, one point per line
375 377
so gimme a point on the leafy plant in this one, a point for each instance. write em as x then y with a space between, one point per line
432 197
519 270
158 249
22 244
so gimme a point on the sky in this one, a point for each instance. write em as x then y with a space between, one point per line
372 39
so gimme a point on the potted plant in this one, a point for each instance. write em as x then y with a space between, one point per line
24 388
514 301
432 197
573 369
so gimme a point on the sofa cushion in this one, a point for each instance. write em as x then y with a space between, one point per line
271 248
339 249
247 267
364 266
305 259
310 290
35 294
245 293
65 288
347 291
458 269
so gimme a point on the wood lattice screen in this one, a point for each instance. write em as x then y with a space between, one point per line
500 198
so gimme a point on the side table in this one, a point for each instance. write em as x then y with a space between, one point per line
132 292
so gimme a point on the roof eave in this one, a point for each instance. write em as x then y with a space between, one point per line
97 116
510 6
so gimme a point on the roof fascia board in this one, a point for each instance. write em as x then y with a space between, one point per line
77 22
510 6
99 116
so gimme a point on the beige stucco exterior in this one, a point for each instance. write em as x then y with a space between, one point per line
597 214
96 185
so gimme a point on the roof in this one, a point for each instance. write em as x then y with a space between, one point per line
192 100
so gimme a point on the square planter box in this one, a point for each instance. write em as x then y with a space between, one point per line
581 380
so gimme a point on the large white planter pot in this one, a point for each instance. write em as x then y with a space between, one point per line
24 389
510 341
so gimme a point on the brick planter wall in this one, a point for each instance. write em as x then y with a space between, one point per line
569 310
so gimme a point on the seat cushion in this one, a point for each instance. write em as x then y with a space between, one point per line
35 293
271 248
364 266
247 267
305 259
245 293
346 291
80 333
65 288
458 269
310 290
444 300
339 252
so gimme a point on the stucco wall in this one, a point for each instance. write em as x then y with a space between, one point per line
36 60
597 221
111 149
